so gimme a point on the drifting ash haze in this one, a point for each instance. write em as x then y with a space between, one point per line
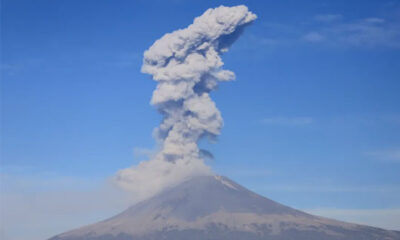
187 66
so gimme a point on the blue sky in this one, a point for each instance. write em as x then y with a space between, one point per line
312 120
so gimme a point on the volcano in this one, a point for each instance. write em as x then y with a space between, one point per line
216 208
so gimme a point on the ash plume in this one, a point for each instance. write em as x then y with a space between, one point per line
187 66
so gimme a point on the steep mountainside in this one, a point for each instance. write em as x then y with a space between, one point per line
216 208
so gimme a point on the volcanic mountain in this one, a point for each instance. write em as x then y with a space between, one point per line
216 208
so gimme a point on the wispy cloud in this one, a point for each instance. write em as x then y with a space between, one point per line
392 155
391 118
368 120
144 152
315 188
374 20
365 32
384 218
328 17
313 37
333 29
288 121
14 68
10 69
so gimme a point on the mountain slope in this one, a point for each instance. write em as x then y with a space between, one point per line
216 208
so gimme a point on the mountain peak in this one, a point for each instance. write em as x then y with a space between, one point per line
217 208
203 195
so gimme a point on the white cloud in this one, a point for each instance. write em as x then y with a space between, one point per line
288 121
383 218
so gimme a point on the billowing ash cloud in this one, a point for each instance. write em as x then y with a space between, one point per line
187 66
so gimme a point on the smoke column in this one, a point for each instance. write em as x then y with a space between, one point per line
187 66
